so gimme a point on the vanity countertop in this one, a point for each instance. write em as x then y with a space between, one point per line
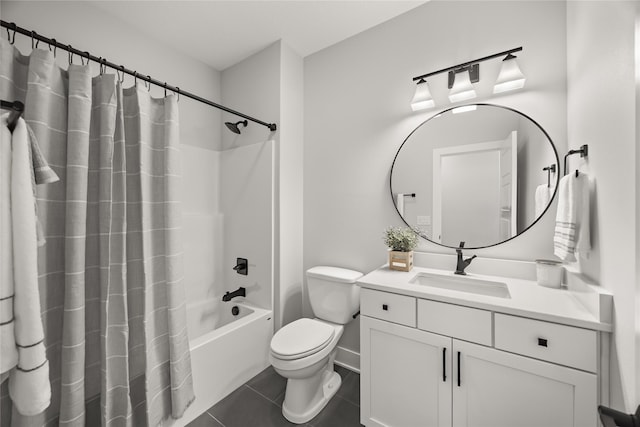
528 299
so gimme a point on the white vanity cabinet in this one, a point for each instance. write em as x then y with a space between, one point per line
431 363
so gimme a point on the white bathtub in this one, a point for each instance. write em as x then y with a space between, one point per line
226 350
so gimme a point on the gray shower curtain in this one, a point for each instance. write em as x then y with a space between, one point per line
110 273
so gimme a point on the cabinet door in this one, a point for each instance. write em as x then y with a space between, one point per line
405 376
499 389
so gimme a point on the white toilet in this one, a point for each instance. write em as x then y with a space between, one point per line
303 351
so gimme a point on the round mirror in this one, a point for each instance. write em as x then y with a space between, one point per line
479 174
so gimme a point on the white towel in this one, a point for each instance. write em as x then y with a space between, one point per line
400 203
8 350
543 194
572 219
29 386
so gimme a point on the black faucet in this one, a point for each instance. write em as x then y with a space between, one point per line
240 292
462 263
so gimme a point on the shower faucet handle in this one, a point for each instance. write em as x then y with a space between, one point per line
242 266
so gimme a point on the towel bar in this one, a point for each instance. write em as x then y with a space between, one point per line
583 151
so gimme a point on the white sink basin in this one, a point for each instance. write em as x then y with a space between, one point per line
462 284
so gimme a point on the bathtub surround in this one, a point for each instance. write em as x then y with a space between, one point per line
103 272
270 84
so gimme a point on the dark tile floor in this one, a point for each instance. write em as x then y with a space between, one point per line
258 403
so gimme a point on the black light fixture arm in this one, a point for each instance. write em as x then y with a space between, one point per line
121 69
465 64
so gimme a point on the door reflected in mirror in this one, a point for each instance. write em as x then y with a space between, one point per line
475 174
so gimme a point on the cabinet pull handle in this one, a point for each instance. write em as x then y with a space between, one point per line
542 342
385 307
458 369
444 364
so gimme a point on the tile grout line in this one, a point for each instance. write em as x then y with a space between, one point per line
217 420
262 395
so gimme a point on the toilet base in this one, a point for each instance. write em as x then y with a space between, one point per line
305 399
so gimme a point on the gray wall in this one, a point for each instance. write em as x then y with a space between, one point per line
603 112
357 114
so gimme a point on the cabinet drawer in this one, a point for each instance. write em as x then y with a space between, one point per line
566 345
469 324
386 306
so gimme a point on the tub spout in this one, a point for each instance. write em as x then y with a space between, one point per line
240 292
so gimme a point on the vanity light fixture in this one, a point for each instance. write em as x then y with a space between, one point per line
462 88
462 77
510 77
422 99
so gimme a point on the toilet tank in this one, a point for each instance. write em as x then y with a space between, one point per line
333 293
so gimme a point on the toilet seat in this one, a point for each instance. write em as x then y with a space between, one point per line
301 338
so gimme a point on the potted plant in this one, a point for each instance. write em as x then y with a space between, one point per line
401 242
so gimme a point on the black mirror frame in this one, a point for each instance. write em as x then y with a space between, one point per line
555 191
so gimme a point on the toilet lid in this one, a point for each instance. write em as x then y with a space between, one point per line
301 338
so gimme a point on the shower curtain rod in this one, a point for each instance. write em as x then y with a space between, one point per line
120 68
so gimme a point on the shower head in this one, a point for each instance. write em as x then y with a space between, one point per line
233 127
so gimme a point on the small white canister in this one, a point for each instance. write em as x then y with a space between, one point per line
549 273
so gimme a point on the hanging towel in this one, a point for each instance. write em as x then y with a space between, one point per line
8 350
29 386
572 218
41 173
542 196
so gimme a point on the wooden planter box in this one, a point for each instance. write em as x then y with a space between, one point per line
401 261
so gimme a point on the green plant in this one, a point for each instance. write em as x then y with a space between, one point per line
402 239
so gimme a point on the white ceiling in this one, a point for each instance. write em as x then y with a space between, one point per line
222 33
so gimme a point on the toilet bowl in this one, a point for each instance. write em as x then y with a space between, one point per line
304 351
307 365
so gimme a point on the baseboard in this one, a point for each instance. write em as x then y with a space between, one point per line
348 359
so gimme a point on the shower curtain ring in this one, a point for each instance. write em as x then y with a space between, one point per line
165 89
177 92
13 27
70 55
148 83
120 76
103 65
55 47
33 33
88 57
135 78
